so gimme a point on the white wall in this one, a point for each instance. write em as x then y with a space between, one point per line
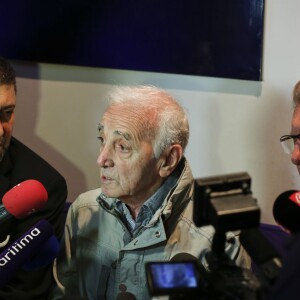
235 125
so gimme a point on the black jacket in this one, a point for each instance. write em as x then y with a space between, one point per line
19 164
287 285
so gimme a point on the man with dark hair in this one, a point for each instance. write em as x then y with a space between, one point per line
17 164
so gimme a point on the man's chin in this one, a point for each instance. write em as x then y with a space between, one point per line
109 194
106 193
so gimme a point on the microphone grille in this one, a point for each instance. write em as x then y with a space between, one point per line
25 198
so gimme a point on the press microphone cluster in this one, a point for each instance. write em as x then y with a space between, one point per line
38 246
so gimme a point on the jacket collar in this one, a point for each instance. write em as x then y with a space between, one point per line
177 198
175 201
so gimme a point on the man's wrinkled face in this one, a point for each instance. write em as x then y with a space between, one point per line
128 169
7 107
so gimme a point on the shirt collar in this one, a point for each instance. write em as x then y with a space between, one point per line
150 206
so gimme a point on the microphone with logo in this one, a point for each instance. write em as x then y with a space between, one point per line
24 251
22 200
45 255
286 211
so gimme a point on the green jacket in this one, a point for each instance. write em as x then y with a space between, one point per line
102 259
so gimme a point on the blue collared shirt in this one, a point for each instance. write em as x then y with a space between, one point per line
149 207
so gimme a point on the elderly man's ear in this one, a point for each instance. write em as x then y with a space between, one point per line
170 159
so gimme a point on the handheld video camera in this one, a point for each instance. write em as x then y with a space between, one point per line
226 203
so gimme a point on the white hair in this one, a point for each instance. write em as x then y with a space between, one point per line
164 119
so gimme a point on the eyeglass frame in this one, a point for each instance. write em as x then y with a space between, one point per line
287 137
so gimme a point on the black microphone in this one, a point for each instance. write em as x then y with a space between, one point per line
286 210
262 252
125 296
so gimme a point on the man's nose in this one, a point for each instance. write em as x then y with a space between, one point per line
105 158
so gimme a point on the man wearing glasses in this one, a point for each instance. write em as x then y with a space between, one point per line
288 283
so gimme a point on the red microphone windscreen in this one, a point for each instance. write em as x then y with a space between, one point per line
25 198
286 210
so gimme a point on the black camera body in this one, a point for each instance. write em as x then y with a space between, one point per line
226 203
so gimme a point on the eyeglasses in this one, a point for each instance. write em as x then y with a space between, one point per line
288 142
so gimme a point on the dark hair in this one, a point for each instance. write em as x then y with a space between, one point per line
7 73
